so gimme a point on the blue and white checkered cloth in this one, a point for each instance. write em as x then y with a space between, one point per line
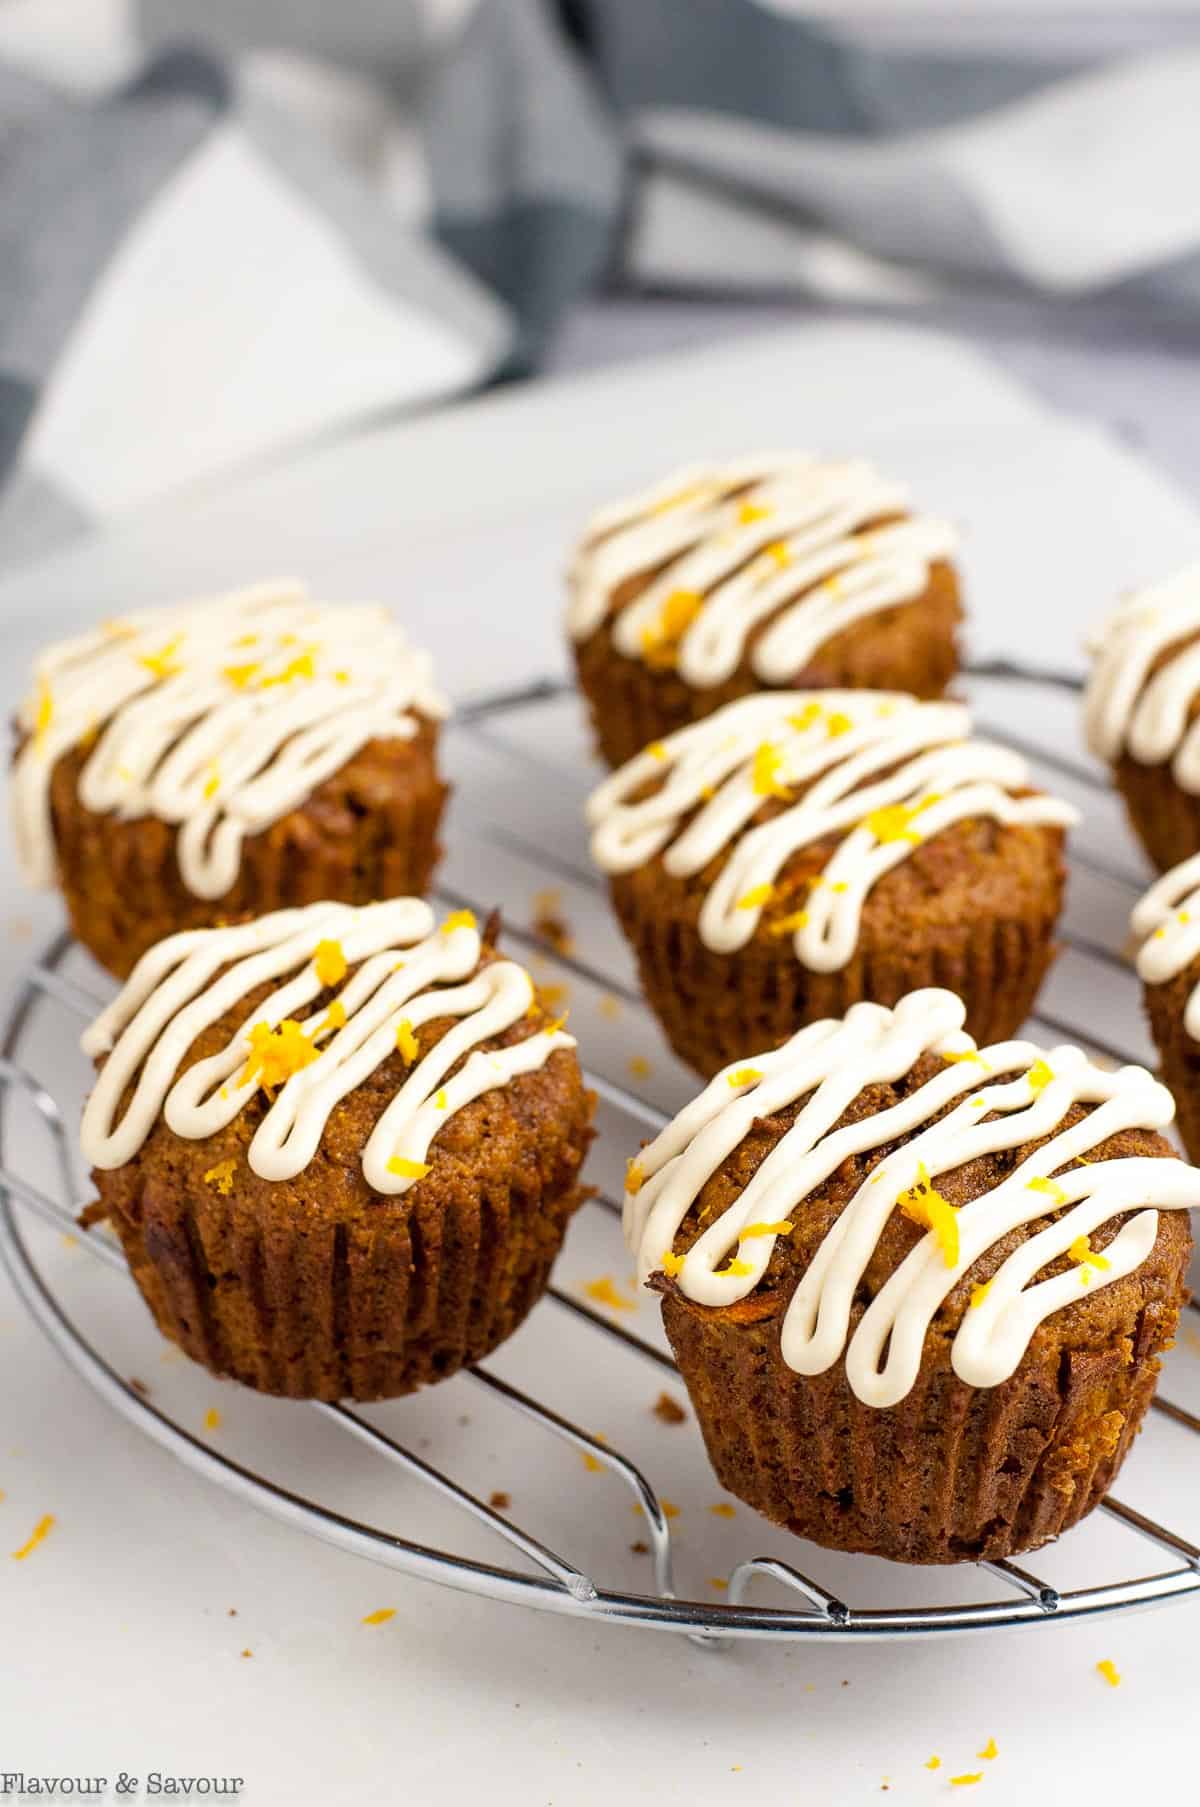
229 227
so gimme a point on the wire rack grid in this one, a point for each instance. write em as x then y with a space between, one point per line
521 770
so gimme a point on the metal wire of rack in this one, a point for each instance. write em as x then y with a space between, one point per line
552 1581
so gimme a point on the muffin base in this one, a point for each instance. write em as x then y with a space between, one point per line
1165 818
953 1473
912 647
1179 1054
368 832
992 946
319 1288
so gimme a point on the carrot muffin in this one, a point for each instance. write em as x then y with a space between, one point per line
783 572
198 764
1142 713
794 853
340 1146
1167 923
917 1291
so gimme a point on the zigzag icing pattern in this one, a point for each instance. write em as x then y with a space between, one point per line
782 539
1126 710
220 715
407 973
885 772
998 1098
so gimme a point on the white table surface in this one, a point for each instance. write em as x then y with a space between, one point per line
119 1651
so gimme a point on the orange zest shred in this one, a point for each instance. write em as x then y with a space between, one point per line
660 639
966 1054
764 772
1108 1669
806 718
439 1098
329 962
592 1463
380 1616
739 1269
671 1263
779 552
924 1205
1051 1188
1081 1251
657 750
723 1509
635 1179
212 1419
604 1292
744 1076
1039 1077
934 1763
784 1228
406 1040
335 1016
989 1751
406 1169
787 925
458 919
39 1534
749 512
720 1583
669 1508
44 714
212 783
979 1293
221 1176
163 663
837 723
894 822
639 1066
755 898
967 1780
241 676
275 1054
300 667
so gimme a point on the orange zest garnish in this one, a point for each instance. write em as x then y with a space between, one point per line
787 925
212 1419
924 1205
989 1751
894 822
163 663
966 1054
458 919
406 1169
300 667
779 552
749 512
212 783
1081 1252
604 1292
329 962
783 1228
1108 1669
660 639
1051 1188
635 1179
764 773
335 1016
1039 1077
755 898
406 1040
240 676
739 1269
723 1509
39 1534
966 1781
671 1263
380 1616
275 1054
979 1293
743 1076
45 713
221 1176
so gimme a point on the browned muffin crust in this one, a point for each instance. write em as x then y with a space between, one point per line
1179 1054
319 1287
972 909
911 647
366 833
952 1472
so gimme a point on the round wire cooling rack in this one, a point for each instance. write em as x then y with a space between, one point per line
50 1003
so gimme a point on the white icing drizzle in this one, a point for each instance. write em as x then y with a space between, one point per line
828 1064
861 752
1125 710
1167 922
772 537
405 971
219 715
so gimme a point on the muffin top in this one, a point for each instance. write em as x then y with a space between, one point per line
1167 923
790 806
219 715
693 568
1143 695
880 1171
280 1023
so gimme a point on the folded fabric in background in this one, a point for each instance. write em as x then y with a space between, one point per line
229 228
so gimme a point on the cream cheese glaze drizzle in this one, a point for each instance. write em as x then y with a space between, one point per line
1126 710
884 771
786 539
1025 1093
406 973
219 715
1167 922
